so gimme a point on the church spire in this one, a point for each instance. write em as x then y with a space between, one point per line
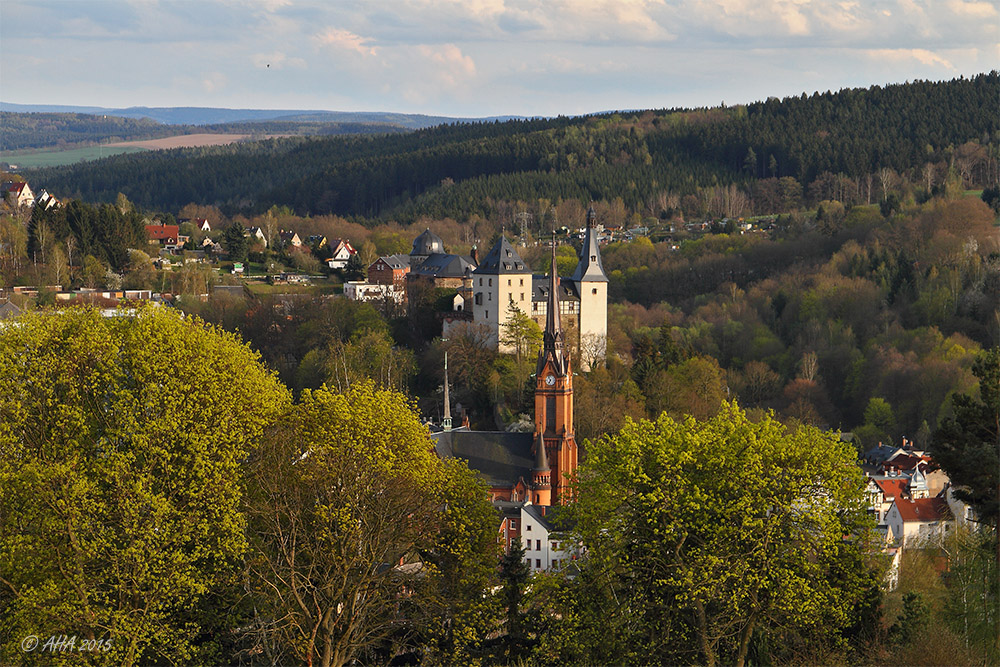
446 422
552 338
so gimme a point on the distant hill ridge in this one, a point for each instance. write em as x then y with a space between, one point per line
213 116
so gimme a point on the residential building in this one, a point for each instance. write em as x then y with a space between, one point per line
341 253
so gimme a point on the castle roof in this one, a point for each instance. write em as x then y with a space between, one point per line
428 243
440 265
501 259
540 286
589 268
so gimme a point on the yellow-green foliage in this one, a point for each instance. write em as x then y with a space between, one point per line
121 440
716 529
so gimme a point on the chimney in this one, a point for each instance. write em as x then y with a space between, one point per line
475 255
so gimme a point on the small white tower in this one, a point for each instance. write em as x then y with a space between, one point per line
592 286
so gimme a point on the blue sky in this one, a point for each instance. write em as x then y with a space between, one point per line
478 57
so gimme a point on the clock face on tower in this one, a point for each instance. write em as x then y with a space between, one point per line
550 380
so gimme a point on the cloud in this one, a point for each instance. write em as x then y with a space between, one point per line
213 82
452 66
345 39
974 9
922 56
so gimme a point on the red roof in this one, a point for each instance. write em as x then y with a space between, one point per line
162 232
905 461
923 509
892 488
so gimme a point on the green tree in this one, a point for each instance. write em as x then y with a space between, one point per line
967 444
236 243
521 334
716 533
342 499
120 452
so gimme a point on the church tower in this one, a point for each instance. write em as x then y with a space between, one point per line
592 285
554 398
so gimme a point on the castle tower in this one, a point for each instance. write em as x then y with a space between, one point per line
592 285
501 279
554 397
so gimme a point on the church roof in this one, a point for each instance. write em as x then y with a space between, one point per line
501 457
428 243
502 258
444 266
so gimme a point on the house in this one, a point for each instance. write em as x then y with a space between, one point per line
544 549
918 520
9 310
46 201
202 224
256 234
289 238
316 241
165 235
389 270
17 193
362 291
341 252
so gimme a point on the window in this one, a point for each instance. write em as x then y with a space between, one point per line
489 296
593 258
508 282
522 282
480 282
522 297
479 298
527 546
555 546
555 564
527 527
490 281
538 563
538 545
594 291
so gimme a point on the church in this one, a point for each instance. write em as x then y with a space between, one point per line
528 467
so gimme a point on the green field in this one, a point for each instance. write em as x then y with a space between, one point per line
30 159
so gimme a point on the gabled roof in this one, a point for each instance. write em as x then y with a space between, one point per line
540 289
922 509
892 488
9 309
444 266
536 513
502 259
395 262
501 457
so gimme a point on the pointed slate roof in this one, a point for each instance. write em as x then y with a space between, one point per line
589 268
502 259
541 459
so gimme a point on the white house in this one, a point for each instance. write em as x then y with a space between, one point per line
341 253
544 549
918 520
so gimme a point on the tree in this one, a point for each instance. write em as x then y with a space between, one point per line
717 532
967 444
120 480
236 243
342 499
520 333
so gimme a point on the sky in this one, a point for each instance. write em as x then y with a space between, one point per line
476 58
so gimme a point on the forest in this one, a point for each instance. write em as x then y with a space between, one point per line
456 170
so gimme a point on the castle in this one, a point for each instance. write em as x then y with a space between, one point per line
502 279
528 467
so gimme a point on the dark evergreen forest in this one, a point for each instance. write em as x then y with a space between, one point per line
455 170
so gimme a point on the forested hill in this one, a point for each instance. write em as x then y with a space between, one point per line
457 170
